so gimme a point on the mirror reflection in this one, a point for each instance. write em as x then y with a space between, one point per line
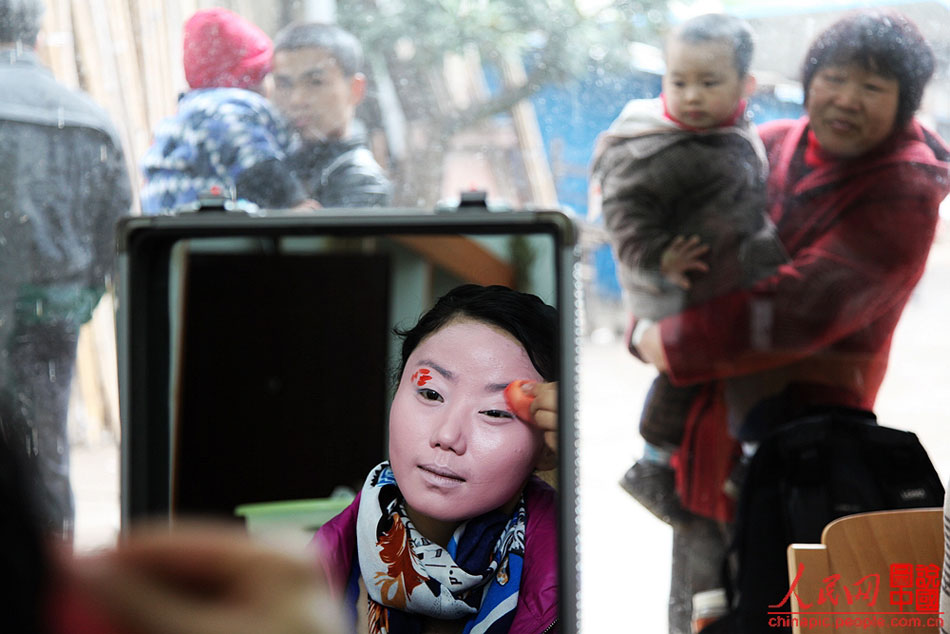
384 397
312 319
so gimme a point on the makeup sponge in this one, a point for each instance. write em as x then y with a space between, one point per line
519 401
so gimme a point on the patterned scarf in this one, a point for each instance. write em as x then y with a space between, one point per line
476 576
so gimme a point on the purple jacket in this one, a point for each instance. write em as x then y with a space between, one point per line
537 609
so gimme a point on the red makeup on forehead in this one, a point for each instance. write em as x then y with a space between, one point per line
421 376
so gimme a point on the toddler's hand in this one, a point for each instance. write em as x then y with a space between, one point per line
682 256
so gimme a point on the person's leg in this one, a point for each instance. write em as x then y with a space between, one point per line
699 548
651 479
43 358
23 557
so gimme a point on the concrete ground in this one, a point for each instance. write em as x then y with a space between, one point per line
625 556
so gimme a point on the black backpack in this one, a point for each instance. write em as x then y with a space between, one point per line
804 475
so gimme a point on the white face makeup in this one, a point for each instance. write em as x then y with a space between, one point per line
456 449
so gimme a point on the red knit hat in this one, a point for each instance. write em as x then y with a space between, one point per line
222 49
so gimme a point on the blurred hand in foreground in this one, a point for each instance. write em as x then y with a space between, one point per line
204 579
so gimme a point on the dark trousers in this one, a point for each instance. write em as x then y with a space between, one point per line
41 360
699 549
665 408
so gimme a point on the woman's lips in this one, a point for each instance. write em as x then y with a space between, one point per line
840 125
441 476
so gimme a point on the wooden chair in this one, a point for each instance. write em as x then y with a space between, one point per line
885 566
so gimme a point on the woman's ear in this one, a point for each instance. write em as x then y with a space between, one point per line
749 87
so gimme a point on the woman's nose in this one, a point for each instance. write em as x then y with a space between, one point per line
848 95
449 433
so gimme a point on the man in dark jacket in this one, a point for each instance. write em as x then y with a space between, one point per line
317 85
63 184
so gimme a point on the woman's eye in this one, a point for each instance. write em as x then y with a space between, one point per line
710 84
430 395
497 413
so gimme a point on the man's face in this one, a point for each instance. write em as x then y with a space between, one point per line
311 90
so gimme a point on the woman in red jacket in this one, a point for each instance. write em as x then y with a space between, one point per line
854 191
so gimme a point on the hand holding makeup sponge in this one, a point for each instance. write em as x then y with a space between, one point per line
520 401
520 396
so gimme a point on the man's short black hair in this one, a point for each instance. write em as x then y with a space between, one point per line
20 20
341 44
713 27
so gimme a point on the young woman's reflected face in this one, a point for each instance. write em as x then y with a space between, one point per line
456 449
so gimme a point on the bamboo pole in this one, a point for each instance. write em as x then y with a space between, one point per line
57 45
129 87
154 28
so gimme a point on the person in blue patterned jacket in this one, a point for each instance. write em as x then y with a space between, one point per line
226 137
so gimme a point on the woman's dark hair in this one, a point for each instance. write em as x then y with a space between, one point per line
879 41
528 319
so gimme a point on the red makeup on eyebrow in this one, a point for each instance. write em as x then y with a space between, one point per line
421 376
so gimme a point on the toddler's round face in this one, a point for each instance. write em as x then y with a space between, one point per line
701 85
455 447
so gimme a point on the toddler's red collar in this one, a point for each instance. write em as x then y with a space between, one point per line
731 121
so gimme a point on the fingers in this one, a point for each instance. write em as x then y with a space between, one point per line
545 415
687 249
135 598
544 405
692 246
679 280
683 255
206 579
189 551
